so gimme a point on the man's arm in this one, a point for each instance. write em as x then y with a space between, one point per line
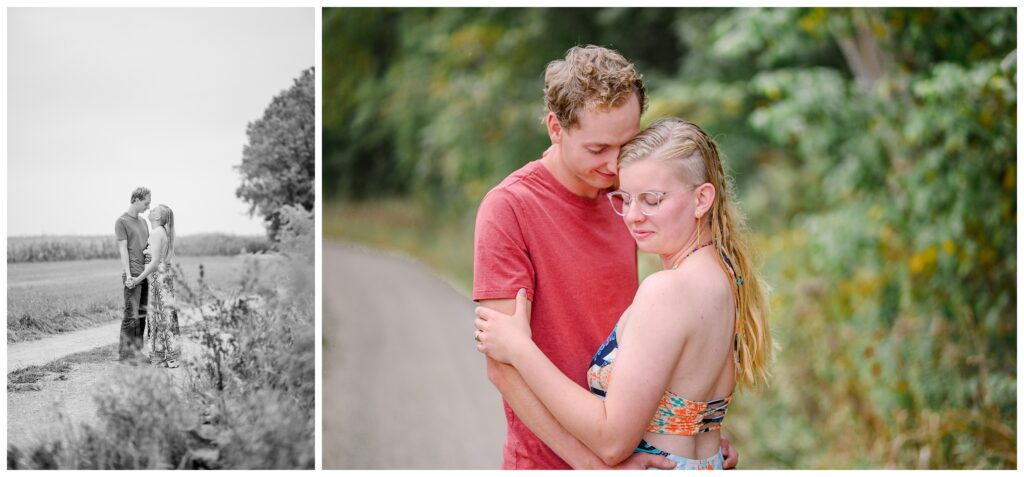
122 246
540 421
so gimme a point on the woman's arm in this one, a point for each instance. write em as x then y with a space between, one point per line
156 244
540 421
611 427
526 406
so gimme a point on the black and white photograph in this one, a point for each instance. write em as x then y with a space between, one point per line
160 238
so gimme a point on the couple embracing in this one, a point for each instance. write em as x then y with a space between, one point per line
148 280
596 370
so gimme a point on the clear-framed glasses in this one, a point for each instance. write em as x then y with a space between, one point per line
649 201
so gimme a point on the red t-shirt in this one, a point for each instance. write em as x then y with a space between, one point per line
577 261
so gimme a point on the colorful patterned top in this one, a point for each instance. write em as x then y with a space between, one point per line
676 414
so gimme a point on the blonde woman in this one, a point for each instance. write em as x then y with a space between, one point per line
163 316
663 380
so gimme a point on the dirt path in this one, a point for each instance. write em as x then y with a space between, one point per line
52 348
35 411
403 385
40 410
42 351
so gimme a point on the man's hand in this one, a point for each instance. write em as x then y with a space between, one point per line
642 461
731 455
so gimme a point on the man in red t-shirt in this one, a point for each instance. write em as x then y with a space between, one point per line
548 228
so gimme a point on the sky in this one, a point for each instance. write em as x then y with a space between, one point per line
104 100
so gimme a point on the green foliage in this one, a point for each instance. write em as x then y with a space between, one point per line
900 179
874 151
441 103
57 248
278 161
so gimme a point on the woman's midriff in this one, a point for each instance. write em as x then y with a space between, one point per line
701 446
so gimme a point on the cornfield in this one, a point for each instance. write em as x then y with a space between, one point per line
55 248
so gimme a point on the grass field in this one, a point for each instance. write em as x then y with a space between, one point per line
45 298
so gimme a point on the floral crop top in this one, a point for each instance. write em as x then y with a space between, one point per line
676 414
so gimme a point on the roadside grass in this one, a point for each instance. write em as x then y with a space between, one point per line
34 374
58 297
405 226
23 379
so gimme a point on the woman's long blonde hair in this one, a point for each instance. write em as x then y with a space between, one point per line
167 217
686 147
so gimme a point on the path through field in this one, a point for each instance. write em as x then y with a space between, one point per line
40 352
44 288
403 384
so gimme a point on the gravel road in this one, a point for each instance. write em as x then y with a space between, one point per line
403 384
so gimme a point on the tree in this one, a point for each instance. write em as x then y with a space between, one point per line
278 162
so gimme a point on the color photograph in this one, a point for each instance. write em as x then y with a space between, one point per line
673 238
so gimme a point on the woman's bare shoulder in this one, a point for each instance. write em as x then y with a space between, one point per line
660 297
684 292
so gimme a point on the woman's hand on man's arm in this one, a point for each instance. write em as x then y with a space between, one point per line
539 420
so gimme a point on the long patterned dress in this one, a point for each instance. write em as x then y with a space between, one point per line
165 347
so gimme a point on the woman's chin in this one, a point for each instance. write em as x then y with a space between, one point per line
645 247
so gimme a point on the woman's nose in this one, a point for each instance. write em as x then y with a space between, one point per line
633 213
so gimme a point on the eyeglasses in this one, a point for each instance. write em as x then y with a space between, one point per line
649 201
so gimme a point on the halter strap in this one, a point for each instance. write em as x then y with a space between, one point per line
738 280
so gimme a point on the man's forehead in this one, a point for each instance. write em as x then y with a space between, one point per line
614 127
606 135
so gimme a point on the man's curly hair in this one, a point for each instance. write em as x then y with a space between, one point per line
140 193
590 77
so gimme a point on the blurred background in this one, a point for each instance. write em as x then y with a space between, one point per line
873 151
